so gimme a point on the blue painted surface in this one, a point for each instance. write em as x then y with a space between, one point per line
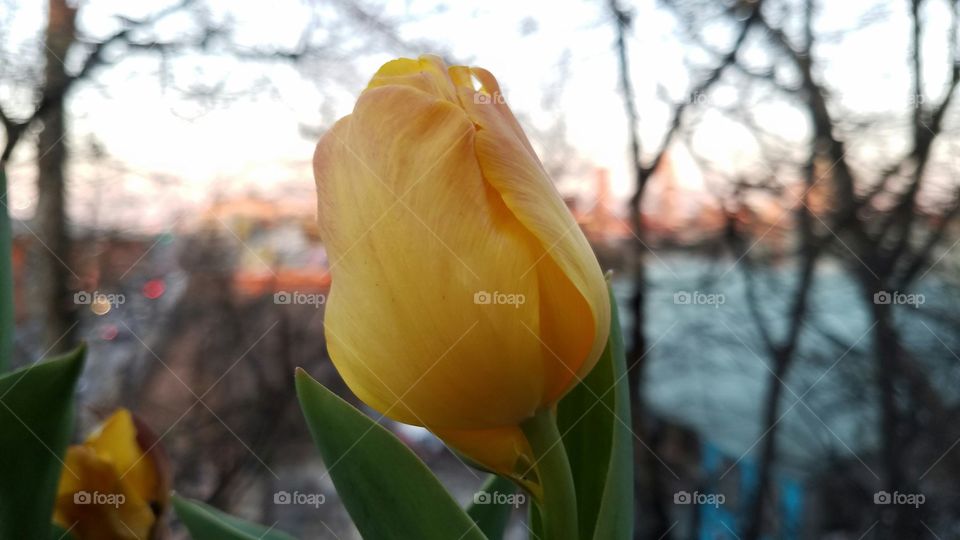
726 521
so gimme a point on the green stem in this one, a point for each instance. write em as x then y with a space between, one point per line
558 505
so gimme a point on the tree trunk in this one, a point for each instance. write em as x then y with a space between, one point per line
52 249
768 453
6 278
903 521
651 494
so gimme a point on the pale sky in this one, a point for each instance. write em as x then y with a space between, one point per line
254 144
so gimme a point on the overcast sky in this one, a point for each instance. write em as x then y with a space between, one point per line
253 142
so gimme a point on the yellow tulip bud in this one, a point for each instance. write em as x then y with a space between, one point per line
464 297
112 487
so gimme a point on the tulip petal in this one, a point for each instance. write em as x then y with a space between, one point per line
567 267
414 235
116 442
93 502
427 73
504 451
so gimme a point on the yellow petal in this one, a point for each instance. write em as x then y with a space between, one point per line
94 503
115 442
427 74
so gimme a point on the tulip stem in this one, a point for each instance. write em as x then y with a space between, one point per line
558 505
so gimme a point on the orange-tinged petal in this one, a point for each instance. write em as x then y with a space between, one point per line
504 451
569 270
94 503
490 97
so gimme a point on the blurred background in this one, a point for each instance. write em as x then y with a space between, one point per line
773 182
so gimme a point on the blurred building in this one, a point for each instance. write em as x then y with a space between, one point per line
602 221
109 262
277 241
678 211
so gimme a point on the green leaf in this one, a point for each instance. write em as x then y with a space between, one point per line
535 523
595 420
36 420
385 487
6 278
207 523
490 509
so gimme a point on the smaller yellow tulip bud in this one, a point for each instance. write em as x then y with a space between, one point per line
113 486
